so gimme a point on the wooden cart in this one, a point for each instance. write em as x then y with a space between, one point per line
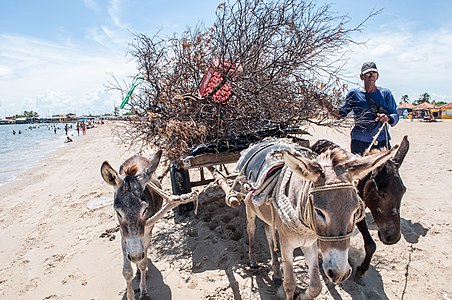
213 156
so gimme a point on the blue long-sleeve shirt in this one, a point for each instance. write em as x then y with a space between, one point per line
365 112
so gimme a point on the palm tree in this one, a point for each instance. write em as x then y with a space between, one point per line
425 97
31 114
404 99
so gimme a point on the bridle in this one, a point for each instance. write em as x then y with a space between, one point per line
307 218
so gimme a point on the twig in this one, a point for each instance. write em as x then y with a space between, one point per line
406 271
171 202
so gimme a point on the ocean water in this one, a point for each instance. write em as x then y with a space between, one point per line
20 151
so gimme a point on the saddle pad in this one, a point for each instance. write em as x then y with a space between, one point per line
257 162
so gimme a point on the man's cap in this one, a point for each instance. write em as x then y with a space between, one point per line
369 67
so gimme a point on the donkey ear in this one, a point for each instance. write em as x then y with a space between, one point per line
151 167
358 168
304 167
401 153
110 175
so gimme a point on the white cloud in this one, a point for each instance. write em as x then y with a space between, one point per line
4 71
410 63
114 11
51 78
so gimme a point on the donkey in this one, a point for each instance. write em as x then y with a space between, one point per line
382 192
307 197
135 203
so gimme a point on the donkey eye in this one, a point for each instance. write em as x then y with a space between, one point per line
145 212
320 214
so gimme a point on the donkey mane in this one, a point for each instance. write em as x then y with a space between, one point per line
332 157
130 170
375 151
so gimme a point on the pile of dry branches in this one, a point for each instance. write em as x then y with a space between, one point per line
280 59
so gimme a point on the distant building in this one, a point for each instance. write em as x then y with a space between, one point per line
22 120
446 111
404 109
8 121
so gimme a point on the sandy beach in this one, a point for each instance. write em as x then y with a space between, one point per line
59 237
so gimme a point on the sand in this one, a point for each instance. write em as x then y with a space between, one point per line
59 237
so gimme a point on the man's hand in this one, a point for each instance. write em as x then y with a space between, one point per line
382 118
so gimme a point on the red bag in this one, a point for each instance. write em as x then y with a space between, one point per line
212 79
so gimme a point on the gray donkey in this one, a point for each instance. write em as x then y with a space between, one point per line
310 201
135 205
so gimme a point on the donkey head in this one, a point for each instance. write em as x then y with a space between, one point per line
383 191
332 203
132 200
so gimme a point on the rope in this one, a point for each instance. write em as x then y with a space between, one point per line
335 238
184 198
361 212
234 193
384 126
275 244
307 213
329 187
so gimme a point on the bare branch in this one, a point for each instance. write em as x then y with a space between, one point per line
276 64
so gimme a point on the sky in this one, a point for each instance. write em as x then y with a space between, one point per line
57 57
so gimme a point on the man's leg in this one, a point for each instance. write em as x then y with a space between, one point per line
358 147
382 144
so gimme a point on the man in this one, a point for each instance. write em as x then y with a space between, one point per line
372 107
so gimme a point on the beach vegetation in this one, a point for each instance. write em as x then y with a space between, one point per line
26 114
405 99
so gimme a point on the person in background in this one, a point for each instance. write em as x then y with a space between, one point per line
83 127
372 107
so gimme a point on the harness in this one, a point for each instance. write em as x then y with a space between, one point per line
302 217
269 185
309 209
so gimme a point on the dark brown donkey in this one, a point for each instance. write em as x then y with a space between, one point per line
135 203
382 192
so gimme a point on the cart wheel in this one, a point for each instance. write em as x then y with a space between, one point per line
180 184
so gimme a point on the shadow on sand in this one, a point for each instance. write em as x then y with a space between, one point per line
216 239
412 231
157 289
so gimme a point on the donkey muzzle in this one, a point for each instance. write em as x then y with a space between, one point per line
335 265
135 250
389 237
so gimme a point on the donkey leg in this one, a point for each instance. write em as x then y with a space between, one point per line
369 247
142 265
274 256
311 255
289 282
250 229
127 272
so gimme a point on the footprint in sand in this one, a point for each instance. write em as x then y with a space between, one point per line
52 261
30 285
